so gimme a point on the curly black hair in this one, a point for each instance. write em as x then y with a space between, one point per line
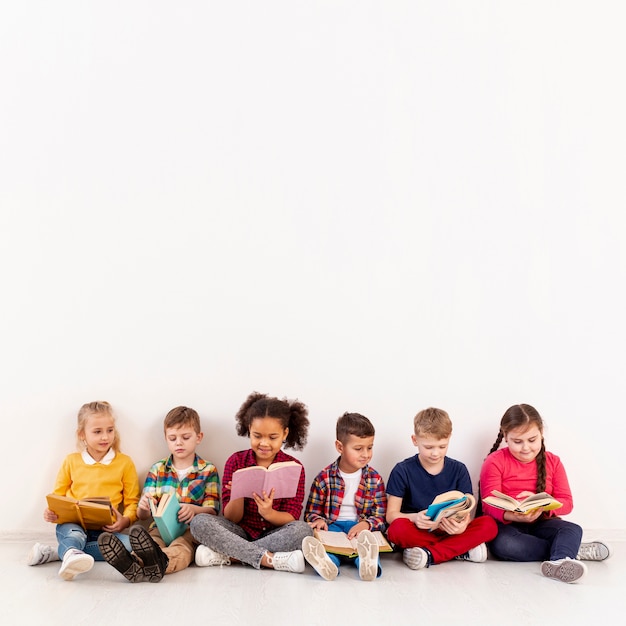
292 414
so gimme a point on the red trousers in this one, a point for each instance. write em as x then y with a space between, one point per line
443 547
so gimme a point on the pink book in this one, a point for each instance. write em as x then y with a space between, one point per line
283 477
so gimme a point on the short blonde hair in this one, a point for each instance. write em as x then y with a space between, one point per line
433 423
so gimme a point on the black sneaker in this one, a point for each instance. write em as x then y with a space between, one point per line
116 555
154 560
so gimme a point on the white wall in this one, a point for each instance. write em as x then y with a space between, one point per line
373 207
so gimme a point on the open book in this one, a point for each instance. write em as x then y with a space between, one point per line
535 501
338 542
283 477
451 504
90 513
165 515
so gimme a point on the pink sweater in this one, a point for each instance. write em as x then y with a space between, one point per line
502 471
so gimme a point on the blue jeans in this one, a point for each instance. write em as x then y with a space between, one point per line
544 540
74 536
344 526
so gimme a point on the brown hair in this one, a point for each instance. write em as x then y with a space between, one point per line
524 416
291 414
182 416
99 407
354 424
433 422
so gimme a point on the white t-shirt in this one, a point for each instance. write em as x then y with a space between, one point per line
347 511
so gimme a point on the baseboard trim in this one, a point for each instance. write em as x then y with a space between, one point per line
615 534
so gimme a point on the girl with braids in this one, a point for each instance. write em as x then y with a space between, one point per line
524 467
261 531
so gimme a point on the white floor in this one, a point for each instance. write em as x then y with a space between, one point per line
455 592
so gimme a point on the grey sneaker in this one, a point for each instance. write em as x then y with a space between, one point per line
75 562
41 553
415 558
475 555
205 557
593 551
566 570
316 556
288 561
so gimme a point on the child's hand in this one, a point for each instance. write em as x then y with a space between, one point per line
186 513
119 525
50 516
319 524
357 528
424 522
524 494
265 503
524 518
144 502
453 526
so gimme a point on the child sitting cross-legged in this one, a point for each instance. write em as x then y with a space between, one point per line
348 496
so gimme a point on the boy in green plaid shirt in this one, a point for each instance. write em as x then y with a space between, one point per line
196 484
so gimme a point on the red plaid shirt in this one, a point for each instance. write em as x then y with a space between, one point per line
251 521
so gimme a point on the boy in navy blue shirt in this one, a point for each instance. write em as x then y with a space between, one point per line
415 482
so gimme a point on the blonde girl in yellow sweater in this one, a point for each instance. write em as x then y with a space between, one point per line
98 470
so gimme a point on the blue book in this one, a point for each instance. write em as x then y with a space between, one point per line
449 504
165 515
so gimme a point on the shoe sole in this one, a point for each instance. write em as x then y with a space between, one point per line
154 559
316 557
568 571
117 556
367 549
73 569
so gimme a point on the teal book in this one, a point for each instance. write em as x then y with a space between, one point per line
165 515
454 504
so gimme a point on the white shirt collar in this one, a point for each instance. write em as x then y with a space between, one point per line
106 459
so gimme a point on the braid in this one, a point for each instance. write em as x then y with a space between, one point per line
497 442
541 468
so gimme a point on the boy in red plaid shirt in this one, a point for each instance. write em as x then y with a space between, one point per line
348 496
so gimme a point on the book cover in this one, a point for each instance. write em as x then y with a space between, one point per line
165 515
90 513
338 542
283 477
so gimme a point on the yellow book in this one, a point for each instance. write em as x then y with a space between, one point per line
338 542
90 513
543 501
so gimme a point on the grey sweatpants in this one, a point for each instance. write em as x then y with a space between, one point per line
230 539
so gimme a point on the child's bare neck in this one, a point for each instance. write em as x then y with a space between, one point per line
184 463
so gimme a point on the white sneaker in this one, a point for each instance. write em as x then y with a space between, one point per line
288 561
75 562
316 556
205 557
415 558
593 551
367 549
41 553
566 570
475 555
